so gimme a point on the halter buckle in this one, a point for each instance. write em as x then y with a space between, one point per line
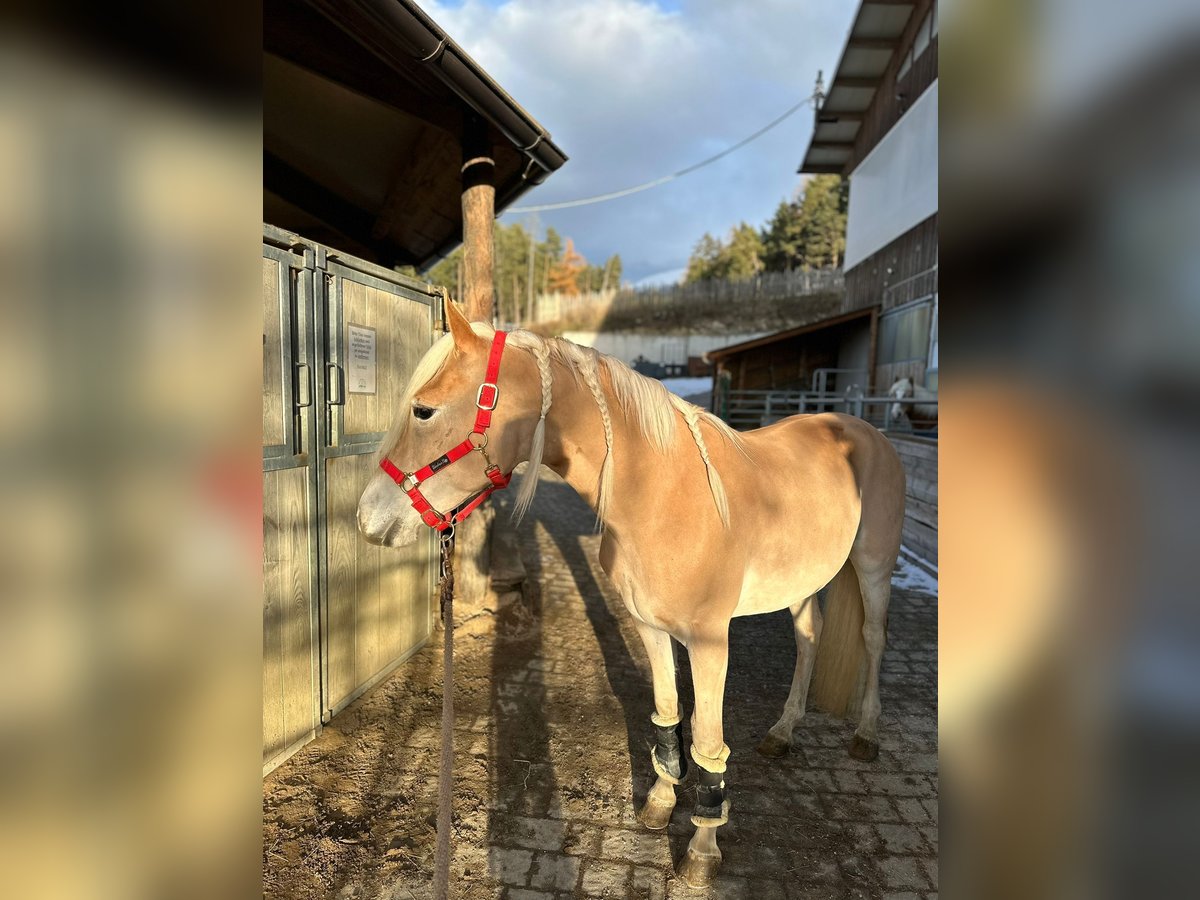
483 442
493 397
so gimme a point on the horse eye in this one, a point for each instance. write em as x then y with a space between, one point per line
422 412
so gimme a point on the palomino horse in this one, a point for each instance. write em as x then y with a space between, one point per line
701 524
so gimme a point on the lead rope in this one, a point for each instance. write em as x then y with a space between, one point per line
441 866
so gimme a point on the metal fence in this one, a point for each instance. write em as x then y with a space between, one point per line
756 409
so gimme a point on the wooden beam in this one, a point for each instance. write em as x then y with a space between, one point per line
847 82
831 145
300 35
305 193
874 43
833 116
413 183
479 214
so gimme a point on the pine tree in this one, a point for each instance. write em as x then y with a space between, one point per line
705 261
823 213
743 255
782 247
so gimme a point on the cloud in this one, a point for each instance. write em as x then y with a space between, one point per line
635 90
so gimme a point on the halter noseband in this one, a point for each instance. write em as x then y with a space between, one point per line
477 440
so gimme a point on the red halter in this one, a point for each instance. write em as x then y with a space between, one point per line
485 399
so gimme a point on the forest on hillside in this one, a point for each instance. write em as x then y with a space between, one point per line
806 232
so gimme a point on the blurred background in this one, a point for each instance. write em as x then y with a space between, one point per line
1069 694
130 574
130 568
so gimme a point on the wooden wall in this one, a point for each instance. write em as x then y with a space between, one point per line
919 456
788 364
909 255
902 260
895 97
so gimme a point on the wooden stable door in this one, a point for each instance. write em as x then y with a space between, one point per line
340 339
377 600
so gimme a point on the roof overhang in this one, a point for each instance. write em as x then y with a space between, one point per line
365 104
788 333
873 40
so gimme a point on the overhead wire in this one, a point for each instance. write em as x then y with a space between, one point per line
645 186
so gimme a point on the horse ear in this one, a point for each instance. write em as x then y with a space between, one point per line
460 327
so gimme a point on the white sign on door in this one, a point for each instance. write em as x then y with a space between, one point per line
360 359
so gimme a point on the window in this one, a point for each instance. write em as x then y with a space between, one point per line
904 332
926 31
931 367
921 41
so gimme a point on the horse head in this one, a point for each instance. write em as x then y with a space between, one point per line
436 413
900 389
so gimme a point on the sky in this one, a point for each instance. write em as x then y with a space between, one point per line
632 90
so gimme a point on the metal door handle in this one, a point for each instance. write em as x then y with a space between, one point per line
303 385
333 384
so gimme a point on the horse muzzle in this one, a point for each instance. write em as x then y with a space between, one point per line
384 517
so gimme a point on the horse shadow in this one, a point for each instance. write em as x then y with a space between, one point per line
570 524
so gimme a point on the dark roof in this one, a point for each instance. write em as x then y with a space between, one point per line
874 38
364 108
787 334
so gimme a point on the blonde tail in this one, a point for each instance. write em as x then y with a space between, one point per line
839 671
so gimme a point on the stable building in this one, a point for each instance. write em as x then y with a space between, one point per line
878 126
384 144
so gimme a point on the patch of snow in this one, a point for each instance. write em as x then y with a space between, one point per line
911 577
921 561
687 387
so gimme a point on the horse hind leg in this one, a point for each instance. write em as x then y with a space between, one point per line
806 619
875 584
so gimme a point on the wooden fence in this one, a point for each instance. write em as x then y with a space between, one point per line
764 291
920 459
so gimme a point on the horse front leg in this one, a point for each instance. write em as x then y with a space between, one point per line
709 655
667 757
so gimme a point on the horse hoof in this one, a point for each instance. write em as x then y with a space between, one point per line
861 748
698 871
773 747
654 815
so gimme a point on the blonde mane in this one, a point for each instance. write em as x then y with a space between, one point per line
644 401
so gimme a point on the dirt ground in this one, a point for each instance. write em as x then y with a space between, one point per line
553 699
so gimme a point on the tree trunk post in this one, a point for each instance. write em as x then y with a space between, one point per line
479 214
477 285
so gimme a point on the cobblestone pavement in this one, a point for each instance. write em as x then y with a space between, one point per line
553 704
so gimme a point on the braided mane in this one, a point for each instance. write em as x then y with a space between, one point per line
655 410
